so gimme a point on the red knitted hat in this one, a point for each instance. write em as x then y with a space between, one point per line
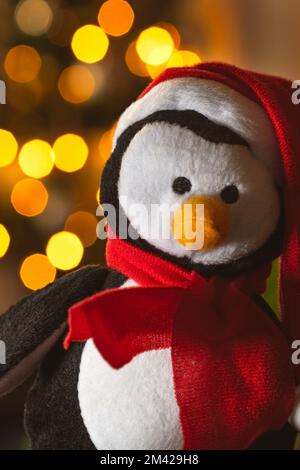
274 95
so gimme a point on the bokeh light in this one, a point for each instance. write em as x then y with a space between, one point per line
184 58
64 250
116 17
4 240
29 197
155 70
173 31
84 225
36 158
90 44
34 17
8 147
76 84
22 63
133 61
71 152
37 272
154 45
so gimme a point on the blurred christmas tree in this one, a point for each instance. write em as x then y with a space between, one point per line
71 68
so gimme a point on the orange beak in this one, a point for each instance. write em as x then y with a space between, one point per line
201 223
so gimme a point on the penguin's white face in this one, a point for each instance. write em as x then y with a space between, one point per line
166 165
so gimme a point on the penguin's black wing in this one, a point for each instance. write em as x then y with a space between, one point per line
30 328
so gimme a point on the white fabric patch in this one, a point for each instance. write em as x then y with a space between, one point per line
133 408
217 102
161 152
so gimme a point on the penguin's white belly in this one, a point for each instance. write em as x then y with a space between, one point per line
130 408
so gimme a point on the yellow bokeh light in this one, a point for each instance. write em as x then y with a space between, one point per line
34 17
70 152
64 250
84 225
154 45
184 58
76 84
36 158
173 32
116 17
22 63
8 147
4 240
90 43
155 70
134 63
37 272
29 197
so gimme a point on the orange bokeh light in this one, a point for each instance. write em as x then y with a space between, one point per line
83 224
116 17
134 63
29 197
76 84
37 272
22 63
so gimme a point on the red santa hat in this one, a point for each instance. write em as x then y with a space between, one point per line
259 108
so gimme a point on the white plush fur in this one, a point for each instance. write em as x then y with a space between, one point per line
133 408
219 103
160 152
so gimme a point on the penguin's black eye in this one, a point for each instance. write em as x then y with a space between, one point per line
181 185
230 194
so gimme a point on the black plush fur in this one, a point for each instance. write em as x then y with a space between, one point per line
52 414
35 317
276 440
212 132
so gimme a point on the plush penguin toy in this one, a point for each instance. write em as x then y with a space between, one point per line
172 346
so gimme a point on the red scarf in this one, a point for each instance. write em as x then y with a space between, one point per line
232 370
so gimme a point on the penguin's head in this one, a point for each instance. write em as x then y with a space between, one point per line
195 172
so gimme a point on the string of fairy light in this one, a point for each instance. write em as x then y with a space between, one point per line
154 49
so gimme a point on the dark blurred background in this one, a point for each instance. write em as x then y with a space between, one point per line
71 67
